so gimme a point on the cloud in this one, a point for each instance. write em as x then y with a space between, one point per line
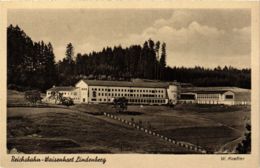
221 19
201 37
198 39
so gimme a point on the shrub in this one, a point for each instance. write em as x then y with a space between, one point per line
245 146
67 101
120 104
33 96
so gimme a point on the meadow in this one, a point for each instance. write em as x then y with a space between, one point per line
84 129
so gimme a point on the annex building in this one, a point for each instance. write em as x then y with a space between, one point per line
215 95
136 91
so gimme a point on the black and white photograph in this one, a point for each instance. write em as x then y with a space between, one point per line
170 81
116 84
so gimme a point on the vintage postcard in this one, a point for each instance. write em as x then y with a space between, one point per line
130 84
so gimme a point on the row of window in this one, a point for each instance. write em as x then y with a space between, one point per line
128 90
65 93
209 102
133 100
126 95
208 96
145 101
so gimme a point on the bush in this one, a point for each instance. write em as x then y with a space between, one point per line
67 101
33 96
245 146
120 104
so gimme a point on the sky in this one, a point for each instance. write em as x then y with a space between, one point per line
193 37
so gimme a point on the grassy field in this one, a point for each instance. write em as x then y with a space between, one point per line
84 129
17 98
67 131
210 128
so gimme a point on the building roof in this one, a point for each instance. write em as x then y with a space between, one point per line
208 91
150 84
234 89
62 88
240 93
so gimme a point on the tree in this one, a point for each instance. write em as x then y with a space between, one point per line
120 104
67 101
33 96
163 61
163 56
69 53
157 51
29 64
245 146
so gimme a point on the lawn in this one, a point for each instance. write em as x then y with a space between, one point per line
210 128
84 129
17 98
58 130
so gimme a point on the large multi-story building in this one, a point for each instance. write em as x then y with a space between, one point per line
148 92
135 91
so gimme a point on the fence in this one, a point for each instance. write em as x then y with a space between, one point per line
185 145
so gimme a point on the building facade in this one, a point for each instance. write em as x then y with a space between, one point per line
216 95
66 91
148 92
135 91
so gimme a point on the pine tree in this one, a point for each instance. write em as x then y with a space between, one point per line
162 63
163 56
69 53
157 51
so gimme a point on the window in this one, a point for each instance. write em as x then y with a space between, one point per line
94 93
229 96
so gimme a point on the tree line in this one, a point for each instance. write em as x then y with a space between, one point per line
29 64
32 65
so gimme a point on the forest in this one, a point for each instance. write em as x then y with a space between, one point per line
32 65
